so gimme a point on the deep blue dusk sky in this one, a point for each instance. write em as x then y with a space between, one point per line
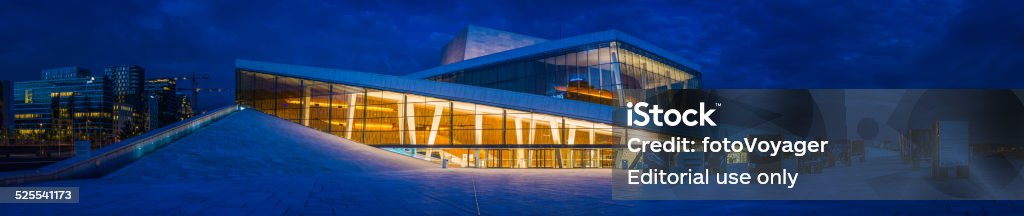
739 44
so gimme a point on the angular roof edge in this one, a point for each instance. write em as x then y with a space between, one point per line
553 45
471 26
457 92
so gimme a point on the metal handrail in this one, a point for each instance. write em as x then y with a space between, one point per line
114 156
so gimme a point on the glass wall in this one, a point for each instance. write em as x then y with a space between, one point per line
516 157
59 111
597 73
467 134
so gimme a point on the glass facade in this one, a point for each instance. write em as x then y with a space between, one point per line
70 105
128 86
64 109
467 134
603 73
163 103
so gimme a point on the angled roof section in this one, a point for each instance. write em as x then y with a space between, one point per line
451 91
551 46
475 41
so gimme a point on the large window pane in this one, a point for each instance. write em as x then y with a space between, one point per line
264 93
604 56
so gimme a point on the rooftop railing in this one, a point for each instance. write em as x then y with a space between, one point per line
117 155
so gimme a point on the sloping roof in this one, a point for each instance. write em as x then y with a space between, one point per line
475 41
451 91
550 46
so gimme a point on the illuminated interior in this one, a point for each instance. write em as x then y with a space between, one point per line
595 73
467 134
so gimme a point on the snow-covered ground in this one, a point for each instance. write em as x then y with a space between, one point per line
255 164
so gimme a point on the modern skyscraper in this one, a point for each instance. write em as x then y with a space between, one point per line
164 103
185 106
65 73
128 86
66 105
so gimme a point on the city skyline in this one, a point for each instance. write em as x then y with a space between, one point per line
71 104
325 107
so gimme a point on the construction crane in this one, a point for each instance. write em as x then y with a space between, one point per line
196 89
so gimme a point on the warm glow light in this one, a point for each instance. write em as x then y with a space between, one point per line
371 125
29 131
586 91
91 114
61 94
26 116
371 108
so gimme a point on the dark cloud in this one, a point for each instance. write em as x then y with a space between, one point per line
740 44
